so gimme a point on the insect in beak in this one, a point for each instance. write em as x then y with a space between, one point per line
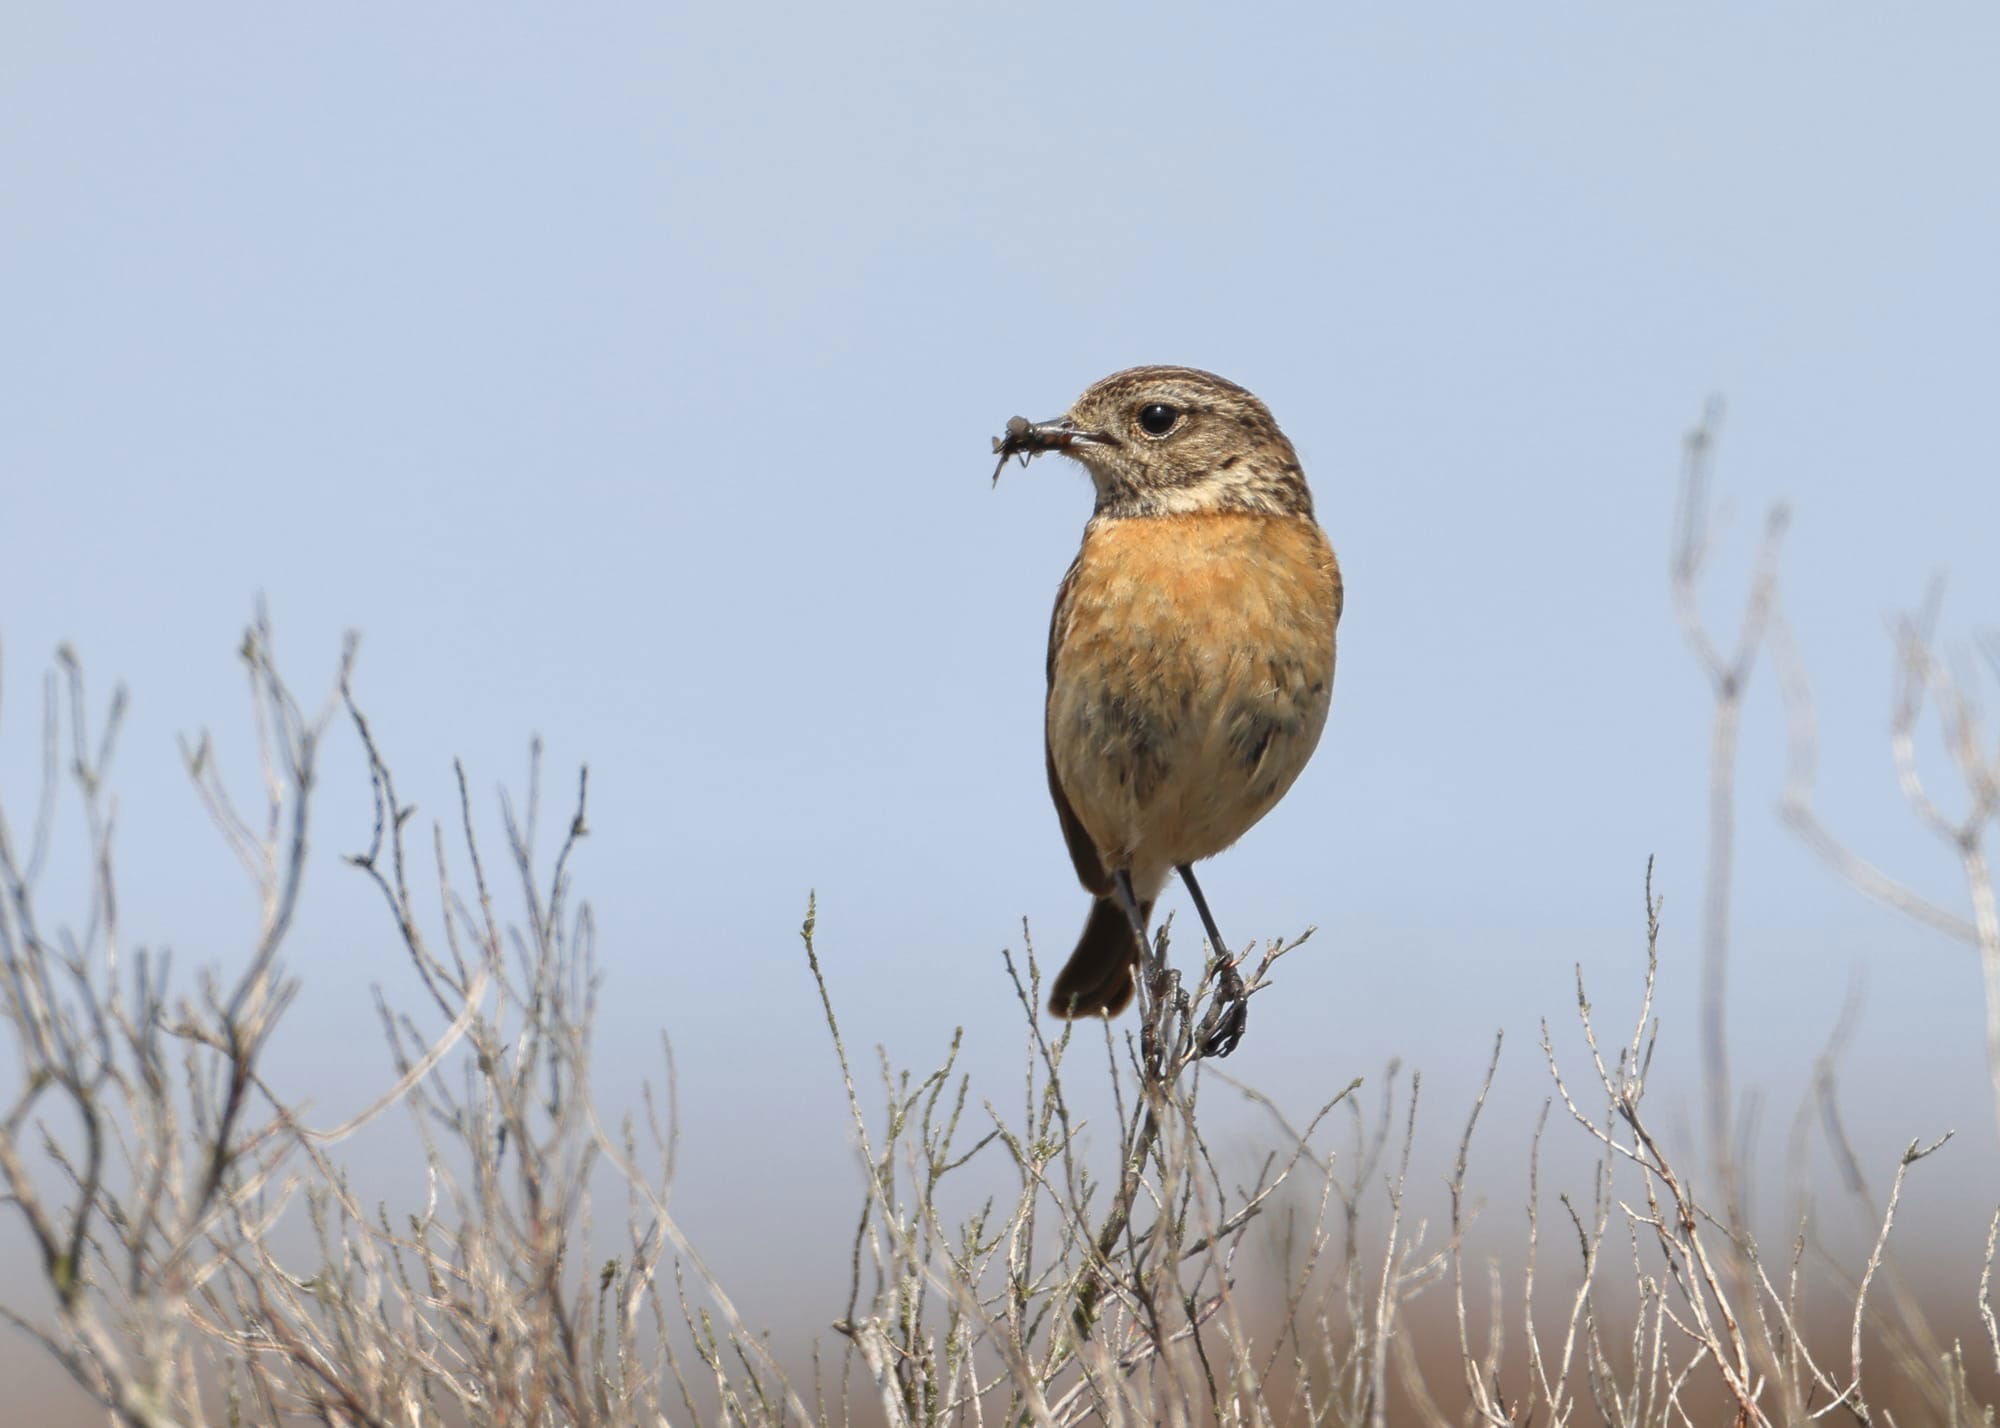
1026 438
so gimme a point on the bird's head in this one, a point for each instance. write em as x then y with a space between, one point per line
1162 441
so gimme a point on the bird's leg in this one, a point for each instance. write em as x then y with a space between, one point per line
1229 1013
1153 973
1122 881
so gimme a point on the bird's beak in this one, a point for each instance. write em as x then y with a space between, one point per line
1026 438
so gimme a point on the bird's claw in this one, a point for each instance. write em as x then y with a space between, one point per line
1228 1014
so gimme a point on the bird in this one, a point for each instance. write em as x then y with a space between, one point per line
1190 657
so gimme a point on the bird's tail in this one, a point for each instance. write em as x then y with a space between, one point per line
1097 979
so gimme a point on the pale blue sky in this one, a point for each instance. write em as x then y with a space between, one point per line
626 374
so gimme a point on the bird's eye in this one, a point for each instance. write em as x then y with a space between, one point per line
1157 418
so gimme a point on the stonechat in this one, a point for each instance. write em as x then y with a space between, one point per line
1190 661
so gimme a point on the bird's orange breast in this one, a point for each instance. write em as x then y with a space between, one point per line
1191 669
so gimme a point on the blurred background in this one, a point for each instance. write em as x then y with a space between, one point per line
625 376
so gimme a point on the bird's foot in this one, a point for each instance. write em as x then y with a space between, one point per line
1228 1012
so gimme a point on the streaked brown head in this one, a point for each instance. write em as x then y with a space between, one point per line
1163 441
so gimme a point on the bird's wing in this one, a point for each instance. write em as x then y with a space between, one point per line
1082 852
